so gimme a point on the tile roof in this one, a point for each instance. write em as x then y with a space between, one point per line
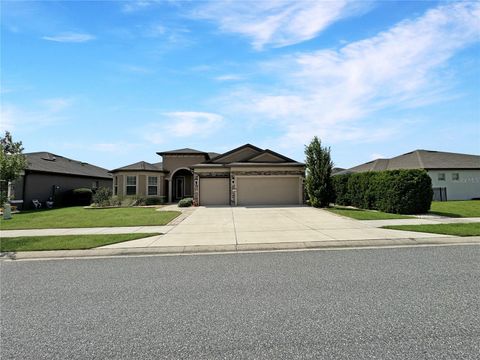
47 162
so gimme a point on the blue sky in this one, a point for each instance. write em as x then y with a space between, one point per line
112 83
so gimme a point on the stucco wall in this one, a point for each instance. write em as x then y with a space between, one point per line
173 162
466 188
141 182
39 186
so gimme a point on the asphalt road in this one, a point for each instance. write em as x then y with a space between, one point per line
415 303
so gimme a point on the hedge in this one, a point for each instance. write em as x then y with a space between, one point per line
393 191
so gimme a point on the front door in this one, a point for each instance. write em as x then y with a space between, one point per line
179 187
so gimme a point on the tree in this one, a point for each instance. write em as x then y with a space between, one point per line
12 163
318 182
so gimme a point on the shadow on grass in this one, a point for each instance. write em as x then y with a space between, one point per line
446 214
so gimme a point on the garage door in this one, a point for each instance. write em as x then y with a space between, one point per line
268 190
214 191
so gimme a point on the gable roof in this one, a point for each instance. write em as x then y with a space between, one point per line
420 159
141 166
51 163
249 155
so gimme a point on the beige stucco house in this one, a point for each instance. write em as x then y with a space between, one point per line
247 175
454 176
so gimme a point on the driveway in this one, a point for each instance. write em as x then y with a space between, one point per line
266 225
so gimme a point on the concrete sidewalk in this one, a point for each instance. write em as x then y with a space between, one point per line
420 221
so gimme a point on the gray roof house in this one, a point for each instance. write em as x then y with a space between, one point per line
51 176
246 175
454 176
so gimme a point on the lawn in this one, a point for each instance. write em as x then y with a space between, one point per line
466 229
467 208
78 217
360 214
65 242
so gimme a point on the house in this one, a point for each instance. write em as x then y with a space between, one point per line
246 175
52 176
454 176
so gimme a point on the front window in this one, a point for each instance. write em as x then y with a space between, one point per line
131 185
441 177
455 176
115 185
152 185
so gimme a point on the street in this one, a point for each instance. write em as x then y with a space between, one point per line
401 303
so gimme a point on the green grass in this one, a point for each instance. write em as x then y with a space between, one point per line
466 229
467 208
78 217
65 242
360 214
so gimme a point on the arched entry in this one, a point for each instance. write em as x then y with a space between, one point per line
181 184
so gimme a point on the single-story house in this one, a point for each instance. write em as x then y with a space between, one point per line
454 176
53 176
247 175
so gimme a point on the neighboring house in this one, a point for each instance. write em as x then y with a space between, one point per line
337 170
246 175
454 176
53 176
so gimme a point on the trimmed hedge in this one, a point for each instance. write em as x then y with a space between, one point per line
79 197
186 202
392 191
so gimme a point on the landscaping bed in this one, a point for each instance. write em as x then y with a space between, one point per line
65 242
464 229
78 217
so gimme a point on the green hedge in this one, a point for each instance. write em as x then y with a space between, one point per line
393 191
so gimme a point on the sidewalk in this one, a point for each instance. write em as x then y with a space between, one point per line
420 221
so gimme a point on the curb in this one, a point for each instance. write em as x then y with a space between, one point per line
199 249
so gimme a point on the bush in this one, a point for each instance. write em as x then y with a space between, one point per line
156 200
393 191
102 196
318 182
79 197
187 202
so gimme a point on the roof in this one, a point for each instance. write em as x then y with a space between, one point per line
47 162
420 159
249 155
184 151
141 166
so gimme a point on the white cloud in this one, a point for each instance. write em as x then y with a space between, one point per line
229 77
138 5
278 23
70 37
183 124
332 93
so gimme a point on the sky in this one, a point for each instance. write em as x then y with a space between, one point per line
114 82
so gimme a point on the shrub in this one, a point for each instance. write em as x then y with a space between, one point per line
79 197
156 200
393 191
318 182
102 196
187 202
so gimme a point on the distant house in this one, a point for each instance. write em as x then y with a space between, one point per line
246 175
53 176
454 176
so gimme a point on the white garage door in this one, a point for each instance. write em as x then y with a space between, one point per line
214 191
268 190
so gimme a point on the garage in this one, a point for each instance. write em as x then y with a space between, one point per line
268 190
214 191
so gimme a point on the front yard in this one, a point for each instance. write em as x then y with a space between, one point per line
466 208
466 229
78 217
65 242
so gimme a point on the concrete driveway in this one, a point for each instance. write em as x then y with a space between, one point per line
266 225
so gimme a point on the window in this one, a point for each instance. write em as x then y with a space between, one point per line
455 176
131 185
115 186
95 185
152 185
441 177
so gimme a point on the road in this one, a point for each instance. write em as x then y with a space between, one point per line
403 303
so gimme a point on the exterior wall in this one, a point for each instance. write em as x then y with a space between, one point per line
142 182
38 186
174 161
466 188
